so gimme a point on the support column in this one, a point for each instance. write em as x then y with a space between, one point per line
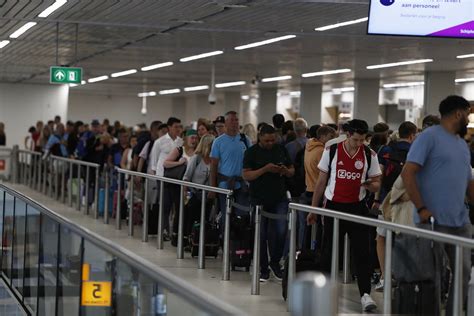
438 85
310 103
267 105
178 105
232 101
366 101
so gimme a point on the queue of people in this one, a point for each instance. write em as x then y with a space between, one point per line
407 177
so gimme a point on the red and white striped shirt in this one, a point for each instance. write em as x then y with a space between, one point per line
347 174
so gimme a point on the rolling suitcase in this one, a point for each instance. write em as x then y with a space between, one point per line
414 298
241 243
211 247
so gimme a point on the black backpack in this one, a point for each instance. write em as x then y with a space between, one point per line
395 160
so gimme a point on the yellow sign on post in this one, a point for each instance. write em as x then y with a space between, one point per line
96 293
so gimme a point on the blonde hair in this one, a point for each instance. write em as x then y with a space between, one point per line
251 132
204 146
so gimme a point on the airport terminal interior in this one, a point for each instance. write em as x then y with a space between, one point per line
156 157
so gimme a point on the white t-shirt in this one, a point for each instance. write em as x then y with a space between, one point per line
348 173
162 147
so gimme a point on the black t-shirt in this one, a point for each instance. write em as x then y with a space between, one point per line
270 188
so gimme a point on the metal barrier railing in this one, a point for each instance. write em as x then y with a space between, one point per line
182 185
58 258
458 242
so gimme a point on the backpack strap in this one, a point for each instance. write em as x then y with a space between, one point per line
243 139
332 154
368 156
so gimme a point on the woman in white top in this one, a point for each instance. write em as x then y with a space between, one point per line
190 143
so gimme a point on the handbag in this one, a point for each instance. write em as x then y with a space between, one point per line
178 171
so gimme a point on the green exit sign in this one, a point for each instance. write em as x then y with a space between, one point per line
65 75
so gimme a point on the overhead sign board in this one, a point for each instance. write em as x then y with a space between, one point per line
437 18
405 104
63 75
96 293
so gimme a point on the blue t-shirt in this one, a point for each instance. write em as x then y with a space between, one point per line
230 152
445 175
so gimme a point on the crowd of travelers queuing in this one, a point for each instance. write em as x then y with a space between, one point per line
408 176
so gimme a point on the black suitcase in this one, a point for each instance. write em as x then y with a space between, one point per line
241 243
211 247
153 219
414 298
306 260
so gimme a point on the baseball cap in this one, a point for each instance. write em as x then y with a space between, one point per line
219 119
191 132
95 123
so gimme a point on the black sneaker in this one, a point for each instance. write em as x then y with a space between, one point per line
264 276
276 271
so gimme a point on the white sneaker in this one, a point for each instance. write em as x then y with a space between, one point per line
368 304
379 286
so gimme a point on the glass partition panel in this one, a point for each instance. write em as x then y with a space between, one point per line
19 245
97 271
32 239
69 277
7 244
48 266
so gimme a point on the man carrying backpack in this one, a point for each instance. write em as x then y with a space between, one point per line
347 171
392 158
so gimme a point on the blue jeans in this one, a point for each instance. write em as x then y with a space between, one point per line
272 236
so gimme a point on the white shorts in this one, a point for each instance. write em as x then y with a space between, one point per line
381 231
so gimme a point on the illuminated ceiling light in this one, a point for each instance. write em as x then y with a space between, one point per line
83 82
123 73
265 42
333 26
230 84
170 91
72 85
402 63
403 85
465 56
245 97
325 73
97 79
461 80
196 88
4 43
295 94
271 79
56 5
200 56
147 94
156 66
22 29
341 90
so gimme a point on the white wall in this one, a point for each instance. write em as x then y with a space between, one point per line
21 105
126 109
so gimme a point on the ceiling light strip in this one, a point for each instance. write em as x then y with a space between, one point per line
333 26
170 91
465 56
56 5
265 42
200 56
230 84
325 73
402 63
22 29
271 79
123 73
461 80
4 43
97 79
156 66
196 88
403 84
147 94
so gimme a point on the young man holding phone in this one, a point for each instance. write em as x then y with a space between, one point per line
347 171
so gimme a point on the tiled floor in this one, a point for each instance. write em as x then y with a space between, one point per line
236 291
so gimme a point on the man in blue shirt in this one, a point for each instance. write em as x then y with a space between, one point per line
437 177
227 156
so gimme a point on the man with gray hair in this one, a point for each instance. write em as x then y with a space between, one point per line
301 128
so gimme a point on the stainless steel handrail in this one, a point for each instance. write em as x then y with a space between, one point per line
182 184
459 242
174 284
